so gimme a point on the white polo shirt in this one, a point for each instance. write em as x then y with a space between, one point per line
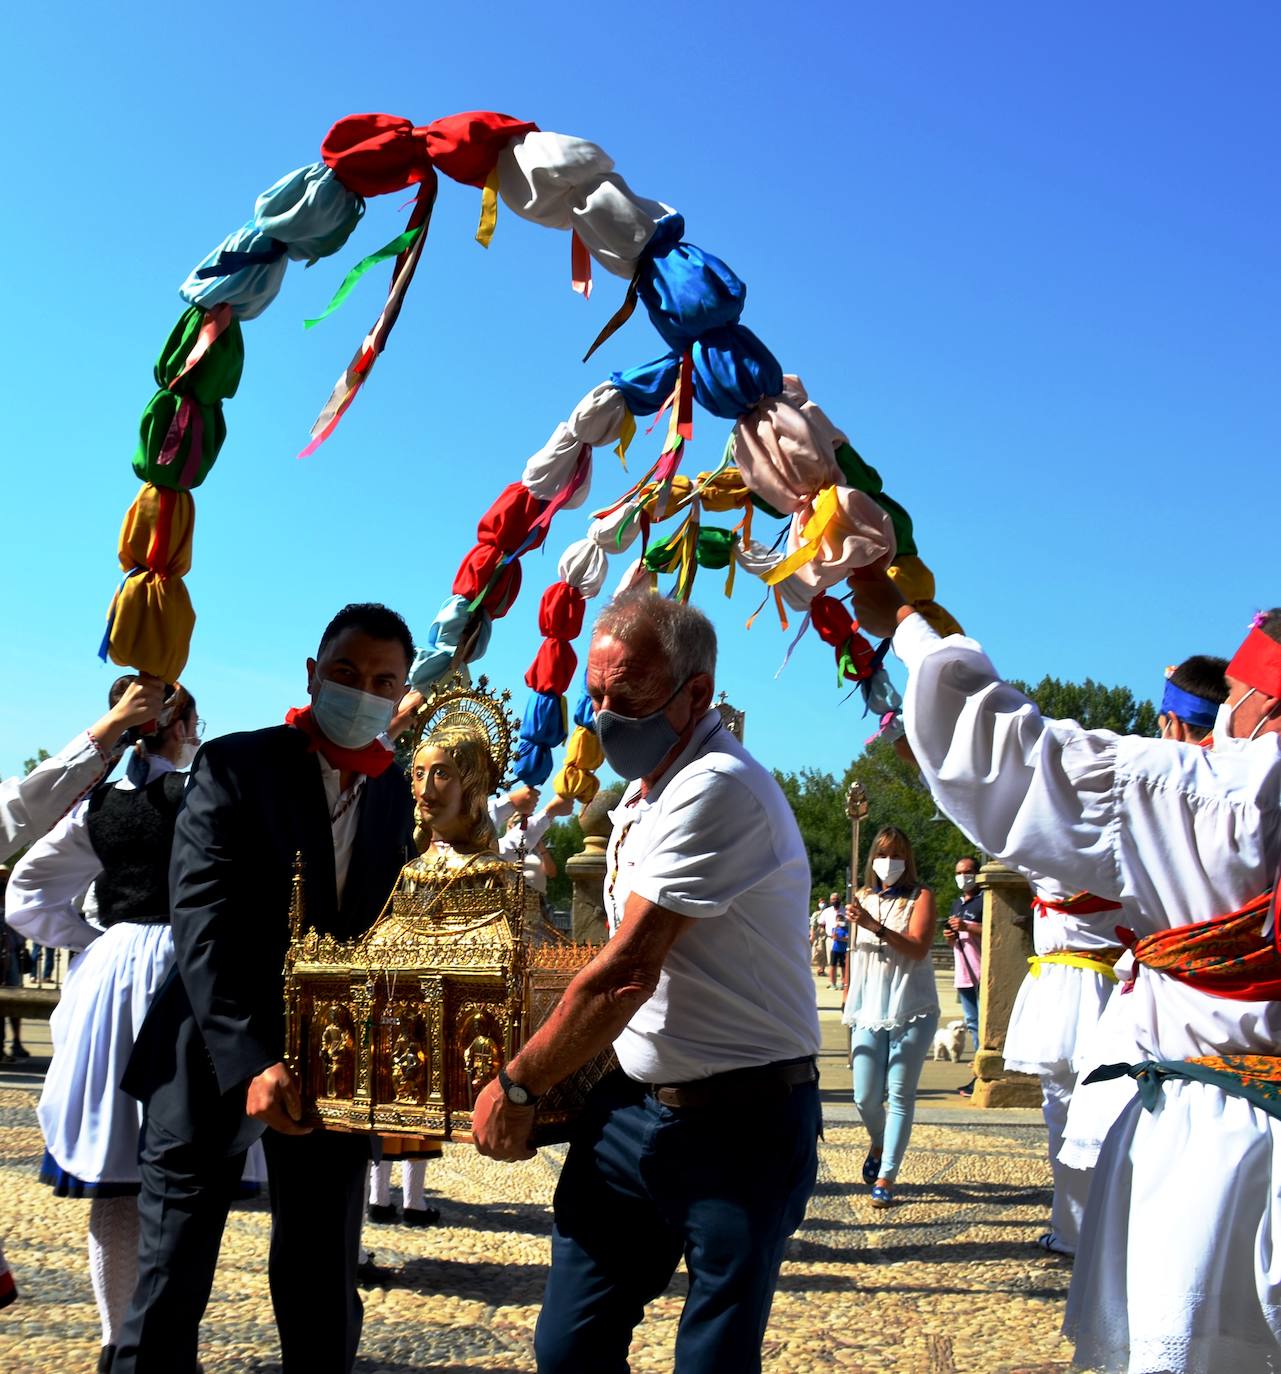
716 840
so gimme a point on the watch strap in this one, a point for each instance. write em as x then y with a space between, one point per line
507 1083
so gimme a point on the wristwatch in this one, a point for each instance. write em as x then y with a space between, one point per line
516 1093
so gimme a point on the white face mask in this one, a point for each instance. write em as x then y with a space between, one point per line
964 880
889 871
1224 741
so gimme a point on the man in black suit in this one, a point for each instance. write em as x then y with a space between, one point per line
208 1059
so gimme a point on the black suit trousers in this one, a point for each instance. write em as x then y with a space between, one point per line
317 1188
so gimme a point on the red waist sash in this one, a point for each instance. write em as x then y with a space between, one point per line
1080 904
1228 956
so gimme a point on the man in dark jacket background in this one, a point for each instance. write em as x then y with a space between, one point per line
208 1063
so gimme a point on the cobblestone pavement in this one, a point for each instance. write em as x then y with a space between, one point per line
947 1280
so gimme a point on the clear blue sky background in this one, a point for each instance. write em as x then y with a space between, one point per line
1026 255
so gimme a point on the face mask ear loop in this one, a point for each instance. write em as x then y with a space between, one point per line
1263 719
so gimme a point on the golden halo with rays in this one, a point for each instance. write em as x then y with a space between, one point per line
459 705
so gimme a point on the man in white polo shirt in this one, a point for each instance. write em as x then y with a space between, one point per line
705 1145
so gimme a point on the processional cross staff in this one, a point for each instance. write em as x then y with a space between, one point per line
856 808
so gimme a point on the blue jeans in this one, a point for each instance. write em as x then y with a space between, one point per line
642 1185
969 999
887 1069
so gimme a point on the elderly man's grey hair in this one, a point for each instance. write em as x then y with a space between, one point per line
685 635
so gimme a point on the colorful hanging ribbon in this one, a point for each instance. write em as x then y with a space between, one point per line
362 364
400 244
826 510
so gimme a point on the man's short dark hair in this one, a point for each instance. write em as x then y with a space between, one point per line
1202 675
968 859
371 618
1270 623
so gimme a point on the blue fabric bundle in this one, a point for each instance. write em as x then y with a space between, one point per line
544 720
432 662
248 268
646 387
686 291
734 371
310 211
533 765
585 712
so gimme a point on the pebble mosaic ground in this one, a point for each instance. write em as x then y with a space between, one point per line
947 1280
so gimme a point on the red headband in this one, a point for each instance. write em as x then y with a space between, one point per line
1257 663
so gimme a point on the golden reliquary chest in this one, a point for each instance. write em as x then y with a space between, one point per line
398 1031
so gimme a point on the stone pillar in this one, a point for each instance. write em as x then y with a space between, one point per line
587 870
1007 943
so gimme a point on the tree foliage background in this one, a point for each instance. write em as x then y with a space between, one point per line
897 796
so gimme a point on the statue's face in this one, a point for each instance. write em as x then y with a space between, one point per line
438 794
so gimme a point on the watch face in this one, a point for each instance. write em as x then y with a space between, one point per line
517 1095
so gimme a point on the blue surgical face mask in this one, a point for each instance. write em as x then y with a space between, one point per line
635 745
348 716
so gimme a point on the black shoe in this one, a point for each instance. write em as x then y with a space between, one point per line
371 1275
382 1216
968 1090
106 1359
420 1216
19 1051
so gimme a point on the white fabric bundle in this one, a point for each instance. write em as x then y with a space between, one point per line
563 182
585 566
603 532
597 419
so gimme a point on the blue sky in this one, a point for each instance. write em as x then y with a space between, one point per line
1024 255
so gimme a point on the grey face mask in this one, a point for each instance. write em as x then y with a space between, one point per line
635 745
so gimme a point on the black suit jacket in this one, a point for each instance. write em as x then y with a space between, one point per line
254 801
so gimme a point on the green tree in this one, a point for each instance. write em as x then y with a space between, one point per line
897 796
563 839
818 804
30 765
1092 705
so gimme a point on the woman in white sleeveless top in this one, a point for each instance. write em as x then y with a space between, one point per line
892 1008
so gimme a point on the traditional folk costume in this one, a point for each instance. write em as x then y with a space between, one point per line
118 839
28 807
1176 1269
1058 1006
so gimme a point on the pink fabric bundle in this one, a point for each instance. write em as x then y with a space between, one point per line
858 535
786 448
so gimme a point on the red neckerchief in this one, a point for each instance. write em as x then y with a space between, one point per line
373 760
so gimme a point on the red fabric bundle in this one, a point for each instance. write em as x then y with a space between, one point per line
553 669
832 620
374 154
466 146
506 524
474 574
860 653
561 611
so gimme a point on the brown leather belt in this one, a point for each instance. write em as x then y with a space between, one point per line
738 1086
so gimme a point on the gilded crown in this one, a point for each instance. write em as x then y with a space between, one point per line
457 705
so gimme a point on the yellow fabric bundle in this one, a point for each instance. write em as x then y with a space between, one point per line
576 784
151 615
583 749
725 491
915 582
941 621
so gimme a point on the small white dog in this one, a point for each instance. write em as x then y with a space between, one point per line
949 1041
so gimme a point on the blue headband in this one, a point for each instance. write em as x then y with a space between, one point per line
1188 707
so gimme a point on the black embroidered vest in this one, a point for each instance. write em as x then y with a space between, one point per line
131 831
